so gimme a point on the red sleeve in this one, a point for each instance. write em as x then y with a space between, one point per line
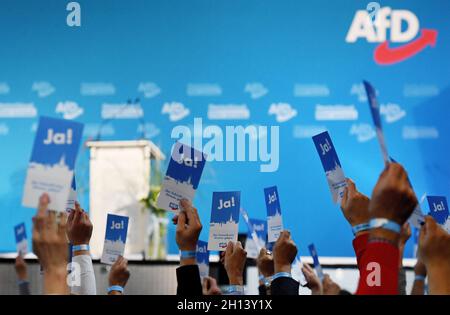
378 268
359 245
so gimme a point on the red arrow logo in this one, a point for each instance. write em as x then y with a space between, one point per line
384 55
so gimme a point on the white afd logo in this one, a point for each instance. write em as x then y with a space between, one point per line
386 19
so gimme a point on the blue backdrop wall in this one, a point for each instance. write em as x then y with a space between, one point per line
284 63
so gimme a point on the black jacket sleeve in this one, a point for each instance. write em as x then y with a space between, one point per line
189 283
284 286
262 289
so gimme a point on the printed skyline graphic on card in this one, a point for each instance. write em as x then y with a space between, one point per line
224 223
315 257
375 111
21 239
115 238
274 218
182 177
203 258
72 196
52 162
331 165
256 237
439 210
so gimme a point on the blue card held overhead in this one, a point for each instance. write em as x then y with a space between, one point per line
52 162
224 223
439 211
256 237
315 257
375 111
274 219
203 258
331 165
21 239
182 176
115 238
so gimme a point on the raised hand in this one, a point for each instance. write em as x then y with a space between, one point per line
210 286
119 274
393 197
434 252
284 252
355 205
50 245
188 226
234 262
329 286
313 280
265 263
21 268
79 227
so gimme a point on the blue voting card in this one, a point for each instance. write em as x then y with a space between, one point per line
315 257
52 162
375 111
223 226
331 165
439 210
115 238
182 176
274 218
203 258
256 237
21 239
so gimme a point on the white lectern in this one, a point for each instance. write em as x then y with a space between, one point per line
119 177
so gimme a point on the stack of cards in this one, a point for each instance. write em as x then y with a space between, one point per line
182 177
439 211
256 237
203 258
331 165
315 257
115 238
21 239
274 219
223 227
52 162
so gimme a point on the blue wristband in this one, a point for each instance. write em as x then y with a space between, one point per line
281 274
360 227
77 248
20 282
235 290
188 254
385 224
117 288
419 278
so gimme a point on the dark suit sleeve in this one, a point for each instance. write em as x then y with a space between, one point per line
262 289
284 286
189 283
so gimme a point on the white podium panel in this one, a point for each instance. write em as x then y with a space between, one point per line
119 177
